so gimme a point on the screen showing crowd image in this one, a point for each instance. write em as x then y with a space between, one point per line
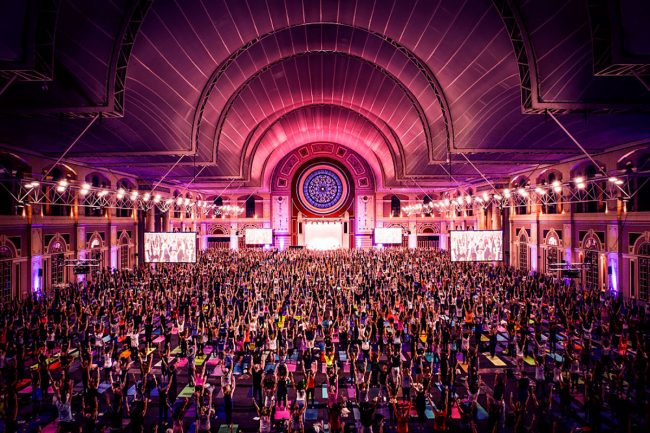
476 246
170 247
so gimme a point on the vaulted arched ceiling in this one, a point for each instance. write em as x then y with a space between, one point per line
418 87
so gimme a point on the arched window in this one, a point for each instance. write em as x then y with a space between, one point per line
639 181
12 171
57 263
395 206
96 254
124 253
426 201
124 206
60 198
552 199
590 199
552 252
523 252
520 201
188 209
250 207
644 271
5 274
92 206
591 269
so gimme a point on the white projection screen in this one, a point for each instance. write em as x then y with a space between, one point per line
323 235
476 246
259 236
170 247
388 235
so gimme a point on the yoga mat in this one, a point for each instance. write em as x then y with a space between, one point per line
51 427
181 362
217 371
103 387
187 392
556 357
200 360
223 428
352 392
159 340
311 414
25 391
291 368
455 413
151 350
496 361
125 354
501 338
212 362
484 339
529 360
324 392
281 414
176 351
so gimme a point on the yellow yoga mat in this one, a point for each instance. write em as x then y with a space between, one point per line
529 360
496 361
484 339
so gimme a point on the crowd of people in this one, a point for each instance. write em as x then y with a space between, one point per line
372 340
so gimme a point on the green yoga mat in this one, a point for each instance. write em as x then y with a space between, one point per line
187 392
223 428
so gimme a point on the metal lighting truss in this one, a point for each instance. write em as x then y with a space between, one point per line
600 189
69 193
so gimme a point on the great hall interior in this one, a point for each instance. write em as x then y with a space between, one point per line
335 136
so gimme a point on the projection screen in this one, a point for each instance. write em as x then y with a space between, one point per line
259 236
388 235
476 246
170 247
323 236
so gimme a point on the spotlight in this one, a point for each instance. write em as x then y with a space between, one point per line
618 182
60 188
580 185
146 197
179 201
613 179
522 192
540 191
485 196
156 198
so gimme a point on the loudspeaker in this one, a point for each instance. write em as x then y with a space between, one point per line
40 272
300 228
609 270
345 228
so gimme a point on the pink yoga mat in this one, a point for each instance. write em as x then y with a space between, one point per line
182 362
159 340
281 414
